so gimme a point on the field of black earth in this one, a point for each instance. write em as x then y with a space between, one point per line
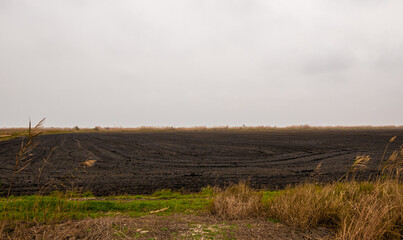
143 162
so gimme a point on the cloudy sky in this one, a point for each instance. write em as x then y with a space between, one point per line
201 62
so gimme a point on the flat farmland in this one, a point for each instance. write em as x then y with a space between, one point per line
143 162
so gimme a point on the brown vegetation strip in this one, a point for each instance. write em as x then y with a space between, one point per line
177 226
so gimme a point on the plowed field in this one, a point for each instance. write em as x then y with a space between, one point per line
142 162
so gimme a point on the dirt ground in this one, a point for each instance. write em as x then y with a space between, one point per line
177 226
142 162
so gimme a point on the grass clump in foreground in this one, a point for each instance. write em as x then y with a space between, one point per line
355 210
237 202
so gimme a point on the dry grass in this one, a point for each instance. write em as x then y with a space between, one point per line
306 206
237 202
356 210
377 215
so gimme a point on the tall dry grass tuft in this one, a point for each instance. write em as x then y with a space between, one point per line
306 206
237 202
356 210
377 215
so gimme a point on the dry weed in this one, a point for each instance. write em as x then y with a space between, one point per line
377 215
24 156
237 202
306 206
357 210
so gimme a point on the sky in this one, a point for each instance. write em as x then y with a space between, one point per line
186 63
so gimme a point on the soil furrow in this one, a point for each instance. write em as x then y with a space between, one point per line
142 162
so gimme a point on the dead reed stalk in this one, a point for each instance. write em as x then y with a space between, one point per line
23 158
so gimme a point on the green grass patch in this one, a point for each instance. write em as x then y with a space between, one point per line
48 209
268 195
59 207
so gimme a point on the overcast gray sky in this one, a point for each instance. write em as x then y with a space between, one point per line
201 62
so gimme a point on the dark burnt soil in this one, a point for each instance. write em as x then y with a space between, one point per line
142 162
